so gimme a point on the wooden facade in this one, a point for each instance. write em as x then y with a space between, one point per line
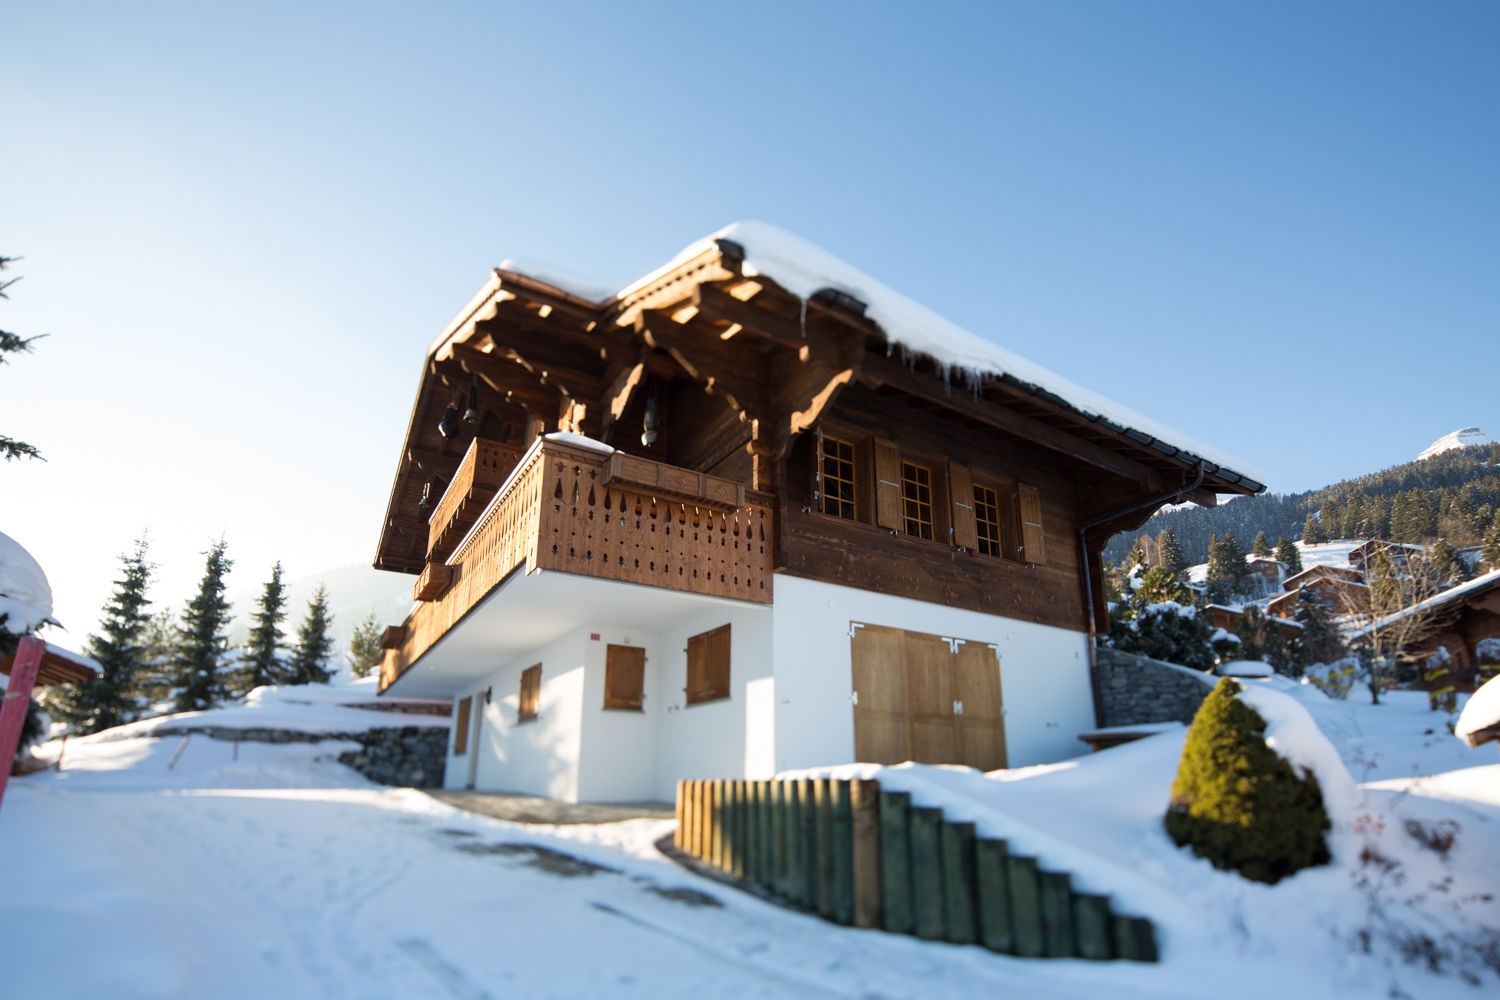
755 432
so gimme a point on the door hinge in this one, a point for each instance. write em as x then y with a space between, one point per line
853 626
854 697
958 708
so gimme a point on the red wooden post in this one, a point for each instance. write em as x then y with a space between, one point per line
17 697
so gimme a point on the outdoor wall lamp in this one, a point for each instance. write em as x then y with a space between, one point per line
448 426
649 423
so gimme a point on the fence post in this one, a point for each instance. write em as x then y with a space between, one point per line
1057 914
767 857
796 863
808 838
958 882
864 809
994 896
1025 906
1135 939
737 811
843 855
823 835
895 862
678 839
927 873
1091 924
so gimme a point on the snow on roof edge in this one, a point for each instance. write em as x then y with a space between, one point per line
804 269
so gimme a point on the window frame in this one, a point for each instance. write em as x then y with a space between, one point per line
912 503
853 462
530 707
461 726
612 702
709 687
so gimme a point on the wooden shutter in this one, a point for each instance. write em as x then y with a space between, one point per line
887 485
708 666
624 677
1033 540
817 484
461 728
961 503
531 693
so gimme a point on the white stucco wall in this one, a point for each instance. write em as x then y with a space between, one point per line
617 760
729 738
1043 672
539 757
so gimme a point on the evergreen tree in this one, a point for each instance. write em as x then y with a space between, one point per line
1170 554
11 343
200 638
314 645
263 656
112 696
1137 555
1289 555
1312 530
1260 547
1240 805
159 642
1318 641
1490 550
1448 569
365 653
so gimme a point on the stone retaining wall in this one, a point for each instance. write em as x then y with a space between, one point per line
1137 689
407 756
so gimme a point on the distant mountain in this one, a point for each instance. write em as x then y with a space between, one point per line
1454 494
1464 438
353 592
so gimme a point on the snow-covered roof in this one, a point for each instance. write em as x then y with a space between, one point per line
1482 711
25 595
805 269
1463 590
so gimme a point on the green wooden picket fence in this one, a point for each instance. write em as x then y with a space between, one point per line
864 857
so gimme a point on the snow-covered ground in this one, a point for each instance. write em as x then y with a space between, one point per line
285 874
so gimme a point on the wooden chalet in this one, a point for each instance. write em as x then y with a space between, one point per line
724 523
1460 620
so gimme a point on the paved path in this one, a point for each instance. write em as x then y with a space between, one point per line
531 809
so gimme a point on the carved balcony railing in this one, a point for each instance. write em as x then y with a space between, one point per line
483 470
616 517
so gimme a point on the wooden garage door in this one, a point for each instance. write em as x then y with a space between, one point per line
927 698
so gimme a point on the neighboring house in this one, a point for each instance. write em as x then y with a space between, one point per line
754 512
1363 555
1229 618
1464 621
1340 589
1265 568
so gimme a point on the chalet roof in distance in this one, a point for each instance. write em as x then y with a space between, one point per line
806 270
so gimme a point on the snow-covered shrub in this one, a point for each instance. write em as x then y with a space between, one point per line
1334 679
1238 804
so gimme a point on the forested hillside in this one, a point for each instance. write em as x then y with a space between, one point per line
1454 496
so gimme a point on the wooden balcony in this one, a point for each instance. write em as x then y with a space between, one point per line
574 510
483 470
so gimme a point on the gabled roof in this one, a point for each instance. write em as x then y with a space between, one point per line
761 286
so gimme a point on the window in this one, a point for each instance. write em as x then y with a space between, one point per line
916 500
531 693
461 727
624 677
838 478
987 520
708 666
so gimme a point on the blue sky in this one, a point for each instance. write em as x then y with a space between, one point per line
1270 226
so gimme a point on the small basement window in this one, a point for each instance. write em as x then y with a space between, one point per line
708 666
916 499
624 677
531 693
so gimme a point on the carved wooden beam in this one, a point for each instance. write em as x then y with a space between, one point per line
720 366
617 394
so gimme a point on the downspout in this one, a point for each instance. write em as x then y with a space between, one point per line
1088 583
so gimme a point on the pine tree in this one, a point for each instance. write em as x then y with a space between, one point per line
1312 530
1490 550
263 655
11 343
1445 564
1170 554
159 642
365 653
1137 555
1289 555
314 645
1260 547
112 697
200 638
